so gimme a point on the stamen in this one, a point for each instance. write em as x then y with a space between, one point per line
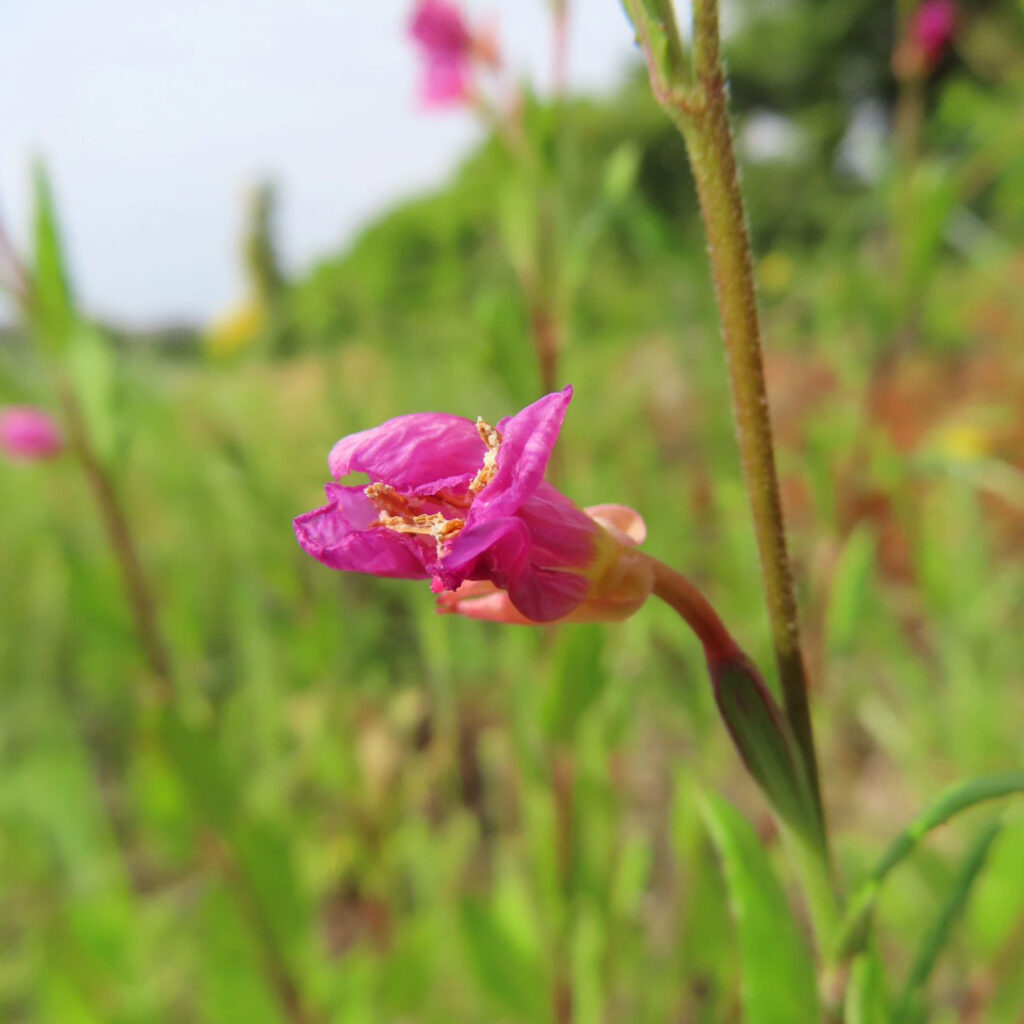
397 513
490 437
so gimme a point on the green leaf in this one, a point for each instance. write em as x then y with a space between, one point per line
849 589
93 371
779 985
865 994
910 1005
504 971
576 682
620 173
196 760
266 859
52 305
960 797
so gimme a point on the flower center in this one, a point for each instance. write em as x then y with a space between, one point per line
405 513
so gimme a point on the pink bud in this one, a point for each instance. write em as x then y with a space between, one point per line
28 434
929 32
931 28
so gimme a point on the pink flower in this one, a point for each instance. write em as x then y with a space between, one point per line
448 47
929 31
931 28
466 506
27 434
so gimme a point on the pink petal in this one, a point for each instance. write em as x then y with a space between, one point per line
28 434
528 439
480 599
500 551
445 83
620 519
340 536
561 534
545 595
440 30
496 550
422 453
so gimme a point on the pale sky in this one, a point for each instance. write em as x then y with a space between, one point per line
155 115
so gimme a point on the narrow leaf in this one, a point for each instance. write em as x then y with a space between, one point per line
576 681
957 798
938 935
52 305
779 985
503 969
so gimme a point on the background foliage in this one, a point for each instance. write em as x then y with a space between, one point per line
359 811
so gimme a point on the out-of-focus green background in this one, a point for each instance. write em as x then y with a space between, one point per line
364 812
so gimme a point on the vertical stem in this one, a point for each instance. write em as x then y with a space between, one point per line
563 772
122 543
143 610
701 113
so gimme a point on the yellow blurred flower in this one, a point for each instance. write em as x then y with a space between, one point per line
236 328
963 442
775 272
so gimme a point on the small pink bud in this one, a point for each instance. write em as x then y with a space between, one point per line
28 434
929 32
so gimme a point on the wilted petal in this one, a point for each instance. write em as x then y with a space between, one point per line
340 536
481 599
547 595
496 550
622 519
422 453
528 439
561 533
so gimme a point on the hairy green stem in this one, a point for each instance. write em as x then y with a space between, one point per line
699 108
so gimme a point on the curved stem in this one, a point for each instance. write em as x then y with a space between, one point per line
677 591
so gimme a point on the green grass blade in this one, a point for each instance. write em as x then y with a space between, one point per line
959 797
938 935
779 983
52 305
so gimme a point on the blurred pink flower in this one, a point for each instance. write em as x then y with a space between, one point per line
466 506
931 28
929 32
446 44
28 434
449 48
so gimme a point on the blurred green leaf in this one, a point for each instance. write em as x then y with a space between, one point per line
577 680
235 985
52 305
620 172
849 589
265 857
865 994
198 762
513 980
517 217
910 1006
92 367
779 984
960 797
